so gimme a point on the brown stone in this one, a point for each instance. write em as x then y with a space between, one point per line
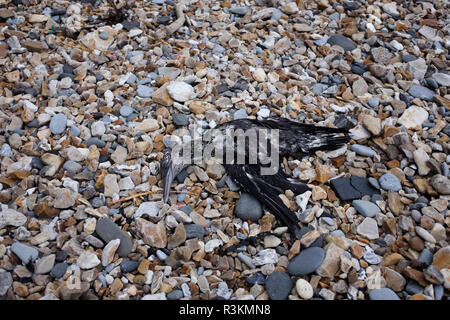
323 173
178 237
392 259
116 286
357 250
153 234
143 266
441 259
421 185
416 244
20 289
34 46
43 210
330 264
394 280
415 275
161 96
390 225
395 203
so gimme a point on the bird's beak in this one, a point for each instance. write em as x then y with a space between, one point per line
168 178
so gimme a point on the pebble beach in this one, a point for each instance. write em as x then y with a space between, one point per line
92 92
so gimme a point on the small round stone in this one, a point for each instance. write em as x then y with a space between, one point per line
390 182
278 285
248 208
126 111
58 123
304 289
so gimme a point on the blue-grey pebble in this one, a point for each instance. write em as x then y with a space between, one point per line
144 91
126 111
413 288
438 292
278 285
175 295
72 166
6 150
95 141
328 221
59 270
374 183
374 102
24 252
104 35
194 231
363 150
58 123
248 208
128 266
74 131
383 294
240 114
421 92
366 208
426 256
390 182
307 261
240 11
338 233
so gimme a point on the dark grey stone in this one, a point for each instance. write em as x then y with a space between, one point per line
95 141
307 261
248 208
278 285
128 266
180 119
342 41
59 270
108 230
344 189
194 231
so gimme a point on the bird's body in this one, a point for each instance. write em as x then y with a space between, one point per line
277 138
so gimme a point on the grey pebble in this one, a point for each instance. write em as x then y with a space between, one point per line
248 208
58 123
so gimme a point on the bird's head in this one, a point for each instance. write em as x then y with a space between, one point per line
167 172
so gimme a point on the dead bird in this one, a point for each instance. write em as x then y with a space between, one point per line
276 138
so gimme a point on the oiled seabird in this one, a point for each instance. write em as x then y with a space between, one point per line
295 139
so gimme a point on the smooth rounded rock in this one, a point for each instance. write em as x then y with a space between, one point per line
278 285
248 208
390 182
307 261
58 123
366 208
304 289
383 294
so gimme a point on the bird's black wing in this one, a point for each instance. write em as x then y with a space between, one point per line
296 139
249 179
